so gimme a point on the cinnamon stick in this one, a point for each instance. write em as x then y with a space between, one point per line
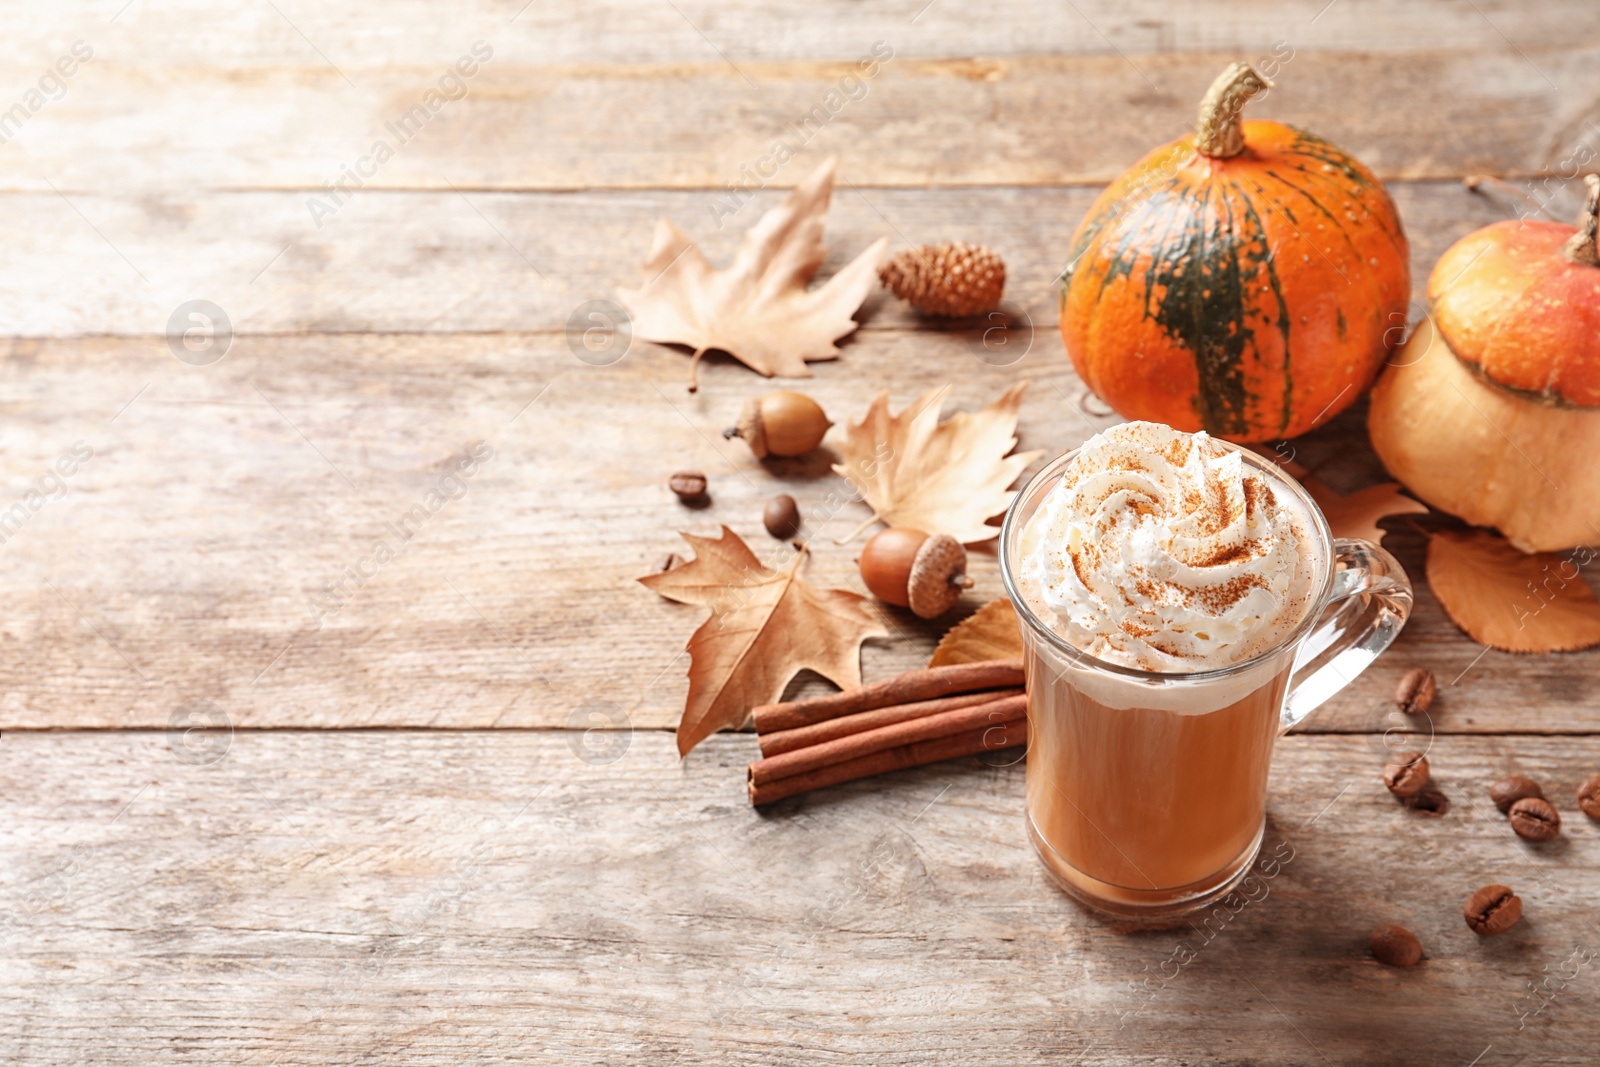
969 743
854 746
901 689
781 741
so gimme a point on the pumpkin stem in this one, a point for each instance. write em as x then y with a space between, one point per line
1581 249
1220 132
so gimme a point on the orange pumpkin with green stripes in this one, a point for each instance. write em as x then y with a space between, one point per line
1249 280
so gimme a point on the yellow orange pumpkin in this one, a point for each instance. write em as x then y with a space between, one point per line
1519 301
1249 280
1491 412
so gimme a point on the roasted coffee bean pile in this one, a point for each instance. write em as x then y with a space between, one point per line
1493 909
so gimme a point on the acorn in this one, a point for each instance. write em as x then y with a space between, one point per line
782 423
911 569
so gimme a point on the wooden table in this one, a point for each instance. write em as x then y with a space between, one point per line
442 821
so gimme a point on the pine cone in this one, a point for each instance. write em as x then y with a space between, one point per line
952 278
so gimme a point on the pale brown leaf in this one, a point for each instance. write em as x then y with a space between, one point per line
1512 600
938 477
759 310
991 632
765 626
1355 514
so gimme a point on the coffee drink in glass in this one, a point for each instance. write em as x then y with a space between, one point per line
1182 603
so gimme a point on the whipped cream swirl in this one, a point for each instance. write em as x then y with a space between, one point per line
1165 551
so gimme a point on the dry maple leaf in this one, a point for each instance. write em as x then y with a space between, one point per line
991 632
765 626
758 310
938 477
1355 514
1513 600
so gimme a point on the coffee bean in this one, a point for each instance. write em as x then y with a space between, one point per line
782 517
1512 788
1415 691
1589 797
1406 773
1535 819
689 485
1396 946
1494 909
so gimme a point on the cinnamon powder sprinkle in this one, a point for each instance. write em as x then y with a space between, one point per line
1077 567
1217 599
1129 610
1257 495
1232 554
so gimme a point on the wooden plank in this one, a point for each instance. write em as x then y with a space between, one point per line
1030 119
189 559
451 262
444 898
363 35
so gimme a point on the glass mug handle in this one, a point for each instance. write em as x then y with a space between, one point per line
1369 603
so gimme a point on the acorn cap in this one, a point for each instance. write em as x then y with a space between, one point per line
751 428
938 576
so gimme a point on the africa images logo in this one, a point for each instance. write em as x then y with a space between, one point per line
199 332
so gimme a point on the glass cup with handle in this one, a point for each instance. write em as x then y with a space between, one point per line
1146 790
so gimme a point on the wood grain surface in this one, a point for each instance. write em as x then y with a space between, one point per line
515 897
370 34
460 262
191 558
266 800
1029 119
634 94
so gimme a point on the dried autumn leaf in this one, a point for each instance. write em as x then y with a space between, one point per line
991 632
758 310
938 477
1355 514
765 626
1513 600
